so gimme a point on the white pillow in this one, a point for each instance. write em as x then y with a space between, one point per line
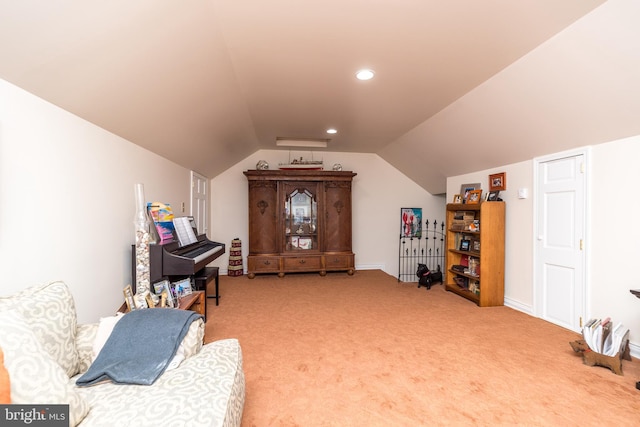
190 345
104 331
35 377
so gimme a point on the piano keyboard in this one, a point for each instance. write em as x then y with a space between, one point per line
202 252
207 254
171 260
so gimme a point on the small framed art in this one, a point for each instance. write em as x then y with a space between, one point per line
457 198
466 188
498 181
149 299
411 222
169 300
493 196
473 197
128 298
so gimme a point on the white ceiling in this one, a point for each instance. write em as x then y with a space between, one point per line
207 83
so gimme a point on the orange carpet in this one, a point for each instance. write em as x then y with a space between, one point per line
365 350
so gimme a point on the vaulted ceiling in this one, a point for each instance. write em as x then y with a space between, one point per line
207 83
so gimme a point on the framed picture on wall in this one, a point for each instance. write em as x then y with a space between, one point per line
411 222
498 181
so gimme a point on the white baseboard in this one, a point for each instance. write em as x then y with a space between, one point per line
516 305
634 349
371 267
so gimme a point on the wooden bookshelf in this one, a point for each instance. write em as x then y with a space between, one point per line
486 286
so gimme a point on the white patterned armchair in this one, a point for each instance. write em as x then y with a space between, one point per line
45 351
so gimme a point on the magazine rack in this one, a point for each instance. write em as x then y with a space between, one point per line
593 358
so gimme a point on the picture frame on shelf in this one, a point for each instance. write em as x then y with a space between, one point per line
498 181
128 298
170 301
149 299
466 188
158 287
465 244
164 297
182 288
493 196
457 198
473 197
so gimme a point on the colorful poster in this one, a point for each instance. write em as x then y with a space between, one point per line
162 216
411 222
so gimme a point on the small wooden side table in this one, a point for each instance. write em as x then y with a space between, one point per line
194 302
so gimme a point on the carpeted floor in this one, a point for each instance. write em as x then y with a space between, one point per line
365 350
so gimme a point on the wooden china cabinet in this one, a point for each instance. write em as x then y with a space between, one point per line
299 221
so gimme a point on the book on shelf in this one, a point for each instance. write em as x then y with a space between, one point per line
464 260
463 220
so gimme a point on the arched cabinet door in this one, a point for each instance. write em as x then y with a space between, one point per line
263 220
337 227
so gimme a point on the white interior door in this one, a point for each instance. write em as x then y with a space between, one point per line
560 227
199 205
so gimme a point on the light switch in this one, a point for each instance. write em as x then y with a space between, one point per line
523 193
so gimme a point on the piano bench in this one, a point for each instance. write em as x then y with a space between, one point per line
206 277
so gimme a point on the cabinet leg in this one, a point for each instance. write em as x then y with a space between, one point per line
323 273
281 274
350 272
251 275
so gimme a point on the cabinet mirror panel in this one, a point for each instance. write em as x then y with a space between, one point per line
301 221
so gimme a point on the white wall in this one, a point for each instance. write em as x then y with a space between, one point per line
67 201
378 192
612 237
518 228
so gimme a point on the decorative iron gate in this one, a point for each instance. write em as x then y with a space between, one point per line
427 249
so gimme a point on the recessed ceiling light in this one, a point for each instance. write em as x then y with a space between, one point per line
332 131
365 74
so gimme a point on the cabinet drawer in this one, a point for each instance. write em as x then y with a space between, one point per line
333 262
263 263
302 263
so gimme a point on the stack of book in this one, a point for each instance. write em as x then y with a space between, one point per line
603 337
462 220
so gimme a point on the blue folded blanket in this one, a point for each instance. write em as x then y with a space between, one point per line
140 347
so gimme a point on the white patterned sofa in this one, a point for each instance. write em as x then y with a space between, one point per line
45 351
